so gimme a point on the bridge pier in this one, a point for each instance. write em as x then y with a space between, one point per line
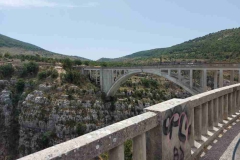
215 79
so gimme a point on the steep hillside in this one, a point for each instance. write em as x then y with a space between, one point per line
220 46
14 46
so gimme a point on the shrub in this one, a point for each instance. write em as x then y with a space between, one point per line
54 74
42 75
81 129
67 64
20 85
30 68
72 77
6 71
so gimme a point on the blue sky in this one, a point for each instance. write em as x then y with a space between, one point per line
113 28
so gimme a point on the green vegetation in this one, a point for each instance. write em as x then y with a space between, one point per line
15 47
73 77
81 129
46 73
215 47
20 85
29 69
6 71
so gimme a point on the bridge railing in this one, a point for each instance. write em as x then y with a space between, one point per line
174 129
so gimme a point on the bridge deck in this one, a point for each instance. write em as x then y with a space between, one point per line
225 144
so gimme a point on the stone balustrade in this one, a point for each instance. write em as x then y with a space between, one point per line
174 129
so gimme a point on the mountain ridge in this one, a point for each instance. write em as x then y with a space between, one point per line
14 46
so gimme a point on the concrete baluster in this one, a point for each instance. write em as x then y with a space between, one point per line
230 104
210 115
221 78
198 123
215 112
139 147
154 145
191 139
220 108
204 118
225 107
117 153
234 104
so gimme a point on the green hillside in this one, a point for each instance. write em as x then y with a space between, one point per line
14 47
220 46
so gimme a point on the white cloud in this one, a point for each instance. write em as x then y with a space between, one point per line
40 3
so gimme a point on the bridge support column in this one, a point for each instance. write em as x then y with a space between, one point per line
169 72
179 75
215 79
204 80
220 78
191 78
96 75
232 77
238 76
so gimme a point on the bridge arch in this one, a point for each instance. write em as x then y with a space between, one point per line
116 85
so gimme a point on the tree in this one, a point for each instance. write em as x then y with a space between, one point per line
67 64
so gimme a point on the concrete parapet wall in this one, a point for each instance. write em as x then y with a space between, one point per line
174 129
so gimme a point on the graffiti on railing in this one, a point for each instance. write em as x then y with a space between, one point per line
178 154
175 118
176 124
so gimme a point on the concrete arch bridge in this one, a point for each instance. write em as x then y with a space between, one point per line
111 78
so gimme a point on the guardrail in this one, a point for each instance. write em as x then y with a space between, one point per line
174 129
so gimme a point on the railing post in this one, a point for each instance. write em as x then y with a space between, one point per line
139 147
154 143
234 105
198 122
225 107
216 112
220 108
210 115
204 118
192 131
230 104
117 153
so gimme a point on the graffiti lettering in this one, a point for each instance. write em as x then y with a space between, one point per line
175 118
178 154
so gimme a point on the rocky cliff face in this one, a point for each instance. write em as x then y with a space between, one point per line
7 122
46 119
54 113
